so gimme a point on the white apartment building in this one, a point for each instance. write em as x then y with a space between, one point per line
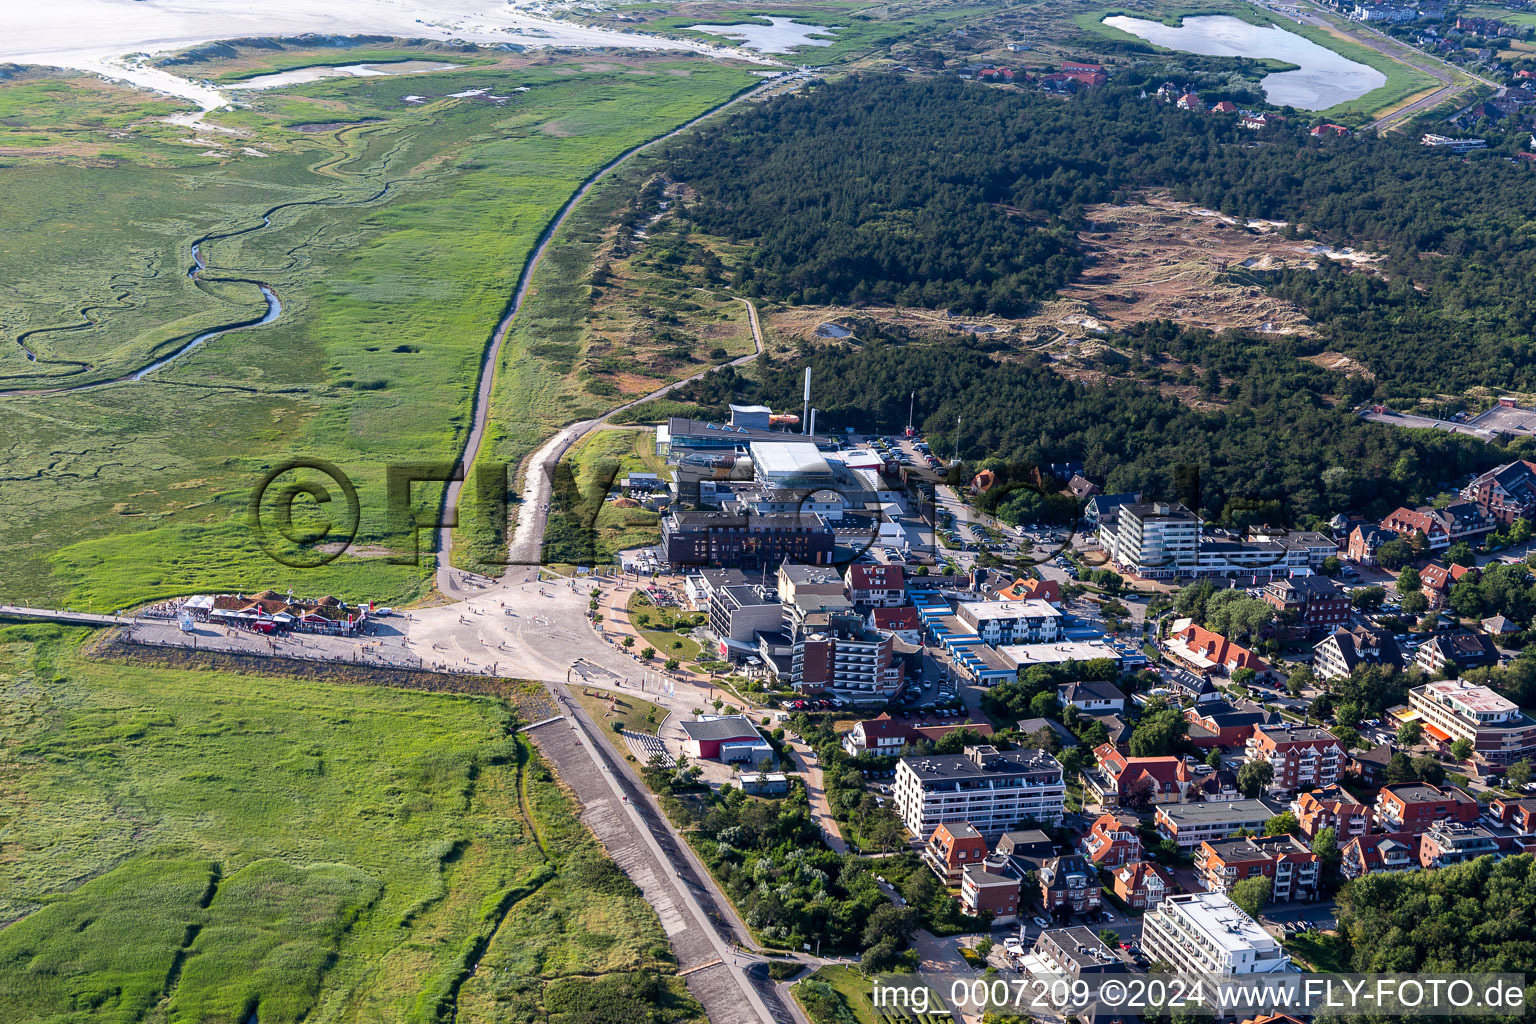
1153 539
1011 622
1206 933
993 791
1160 540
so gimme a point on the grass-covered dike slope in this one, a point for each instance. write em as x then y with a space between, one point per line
193 845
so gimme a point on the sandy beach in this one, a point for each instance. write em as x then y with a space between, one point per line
109 37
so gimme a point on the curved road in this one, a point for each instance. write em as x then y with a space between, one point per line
531 515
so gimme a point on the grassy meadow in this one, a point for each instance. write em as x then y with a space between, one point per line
192 845
397 230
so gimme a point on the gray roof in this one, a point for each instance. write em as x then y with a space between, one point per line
1091 691
1216 811
799 573
726 727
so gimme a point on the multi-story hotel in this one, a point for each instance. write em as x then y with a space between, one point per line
1206 933
1153 539
1500 733
992 791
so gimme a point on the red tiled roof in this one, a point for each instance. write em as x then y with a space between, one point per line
897 618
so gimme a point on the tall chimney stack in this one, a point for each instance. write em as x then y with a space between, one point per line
805 414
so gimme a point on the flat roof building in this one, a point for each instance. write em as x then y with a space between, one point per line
792 464
1500 733
992 791
1008 622
1060 652
1206 933
1189 825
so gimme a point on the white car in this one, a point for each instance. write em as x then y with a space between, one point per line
1042 922
1013 946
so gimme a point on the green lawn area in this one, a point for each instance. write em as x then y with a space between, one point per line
637 715
1502 14
402 230
1319 951
847 989
192 845
667 644
841 995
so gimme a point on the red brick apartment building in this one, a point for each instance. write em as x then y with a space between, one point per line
1412 807
1303 757
1284 859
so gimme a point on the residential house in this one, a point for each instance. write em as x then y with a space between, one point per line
1411 808
1191 101
1081 488
1074 952
1349 647
1364 541
876 586
1436 580
1223 724
1462 521
1091 697
1069 885
1506 492
1141 885
1498 625
1381 851
1115 726
902 623
1451 654
1331 807
1287 861
1302 757
952 846
1224 107
1026 589
1030 727
1208 651
1370 765
1024 850
1335 131
1315 601
884 736
1112 840
1137 781
983 891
